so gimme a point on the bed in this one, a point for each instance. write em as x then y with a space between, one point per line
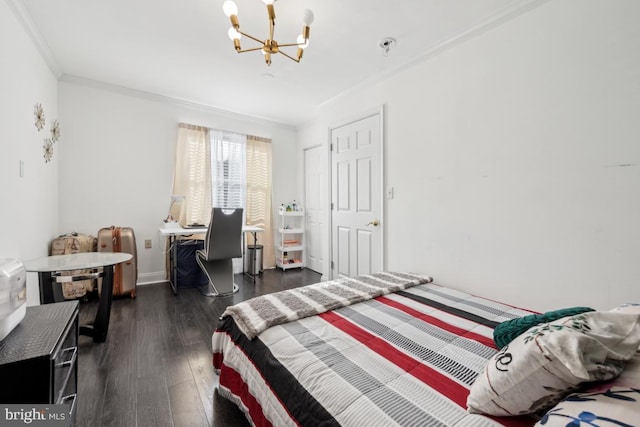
377 350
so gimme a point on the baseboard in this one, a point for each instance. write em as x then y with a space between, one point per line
151 278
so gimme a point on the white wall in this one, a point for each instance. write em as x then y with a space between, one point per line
29 213
515 158
117 161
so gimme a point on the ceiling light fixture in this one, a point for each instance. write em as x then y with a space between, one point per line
269 46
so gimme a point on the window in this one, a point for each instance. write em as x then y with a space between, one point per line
216 168
228 169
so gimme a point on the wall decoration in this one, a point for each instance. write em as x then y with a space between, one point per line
55 131
48 150
38 113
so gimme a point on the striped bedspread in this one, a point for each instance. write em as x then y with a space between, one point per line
257 314
405 359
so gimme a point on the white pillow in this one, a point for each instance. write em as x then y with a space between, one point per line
627 308
543 365
611 403
616 406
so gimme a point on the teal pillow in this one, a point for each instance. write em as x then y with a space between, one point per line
505 332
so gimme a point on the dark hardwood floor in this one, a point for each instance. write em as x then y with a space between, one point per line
155 367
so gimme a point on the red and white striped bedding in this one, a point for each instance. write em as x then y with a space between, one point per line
406 358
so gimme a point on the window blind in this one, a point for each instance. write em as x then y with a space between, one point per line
228 171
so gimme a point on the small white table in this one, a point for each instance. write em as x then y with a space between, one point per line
101 264
173 232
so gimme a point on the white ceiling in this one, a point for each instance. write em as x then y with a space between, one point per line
180 48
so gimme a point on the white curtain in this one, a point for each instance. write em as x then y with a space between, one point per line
258 202
192 175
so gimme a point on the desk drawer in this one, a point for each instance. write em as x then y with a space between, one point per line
38 360
69 397
65 361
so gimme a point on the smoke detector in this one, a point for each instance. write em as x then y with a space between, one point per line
386 44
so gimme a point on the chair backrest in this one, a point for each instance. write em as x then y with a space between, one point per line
224 235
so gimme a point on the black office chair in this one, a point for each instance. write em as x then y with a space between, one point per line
223 242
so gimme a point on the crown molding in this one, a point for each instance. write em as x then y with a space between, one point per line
506 14
24 17
515 9
150 96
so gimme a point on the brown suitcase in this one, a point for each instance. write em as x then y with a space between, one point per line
125 275
72 243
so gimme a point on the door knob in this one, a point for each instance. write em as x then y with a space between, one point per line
375 223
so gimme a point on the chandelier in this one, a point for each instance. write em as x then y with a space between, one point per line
269 46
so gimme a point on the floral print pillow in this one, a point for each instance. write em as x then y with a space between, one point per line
549 361
616 406
613 403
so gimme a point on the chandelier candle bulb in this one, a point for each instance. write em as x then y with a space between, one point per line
302 42
230 8
307 19
234 34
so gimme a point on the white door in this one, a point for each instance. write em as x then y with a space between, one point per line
356 195
315 207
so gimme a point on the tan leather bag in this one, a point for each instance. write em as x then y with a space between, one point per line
72 243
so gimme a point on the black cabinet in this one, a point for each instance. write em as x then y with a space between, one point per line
38 359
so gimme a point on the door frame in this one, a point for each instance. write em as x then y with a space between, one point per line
304 186
352 119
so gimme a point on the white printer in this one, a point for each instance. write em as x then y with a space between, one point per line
13 295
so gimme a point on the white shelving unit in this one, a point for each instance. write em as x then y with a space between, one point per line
290 244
